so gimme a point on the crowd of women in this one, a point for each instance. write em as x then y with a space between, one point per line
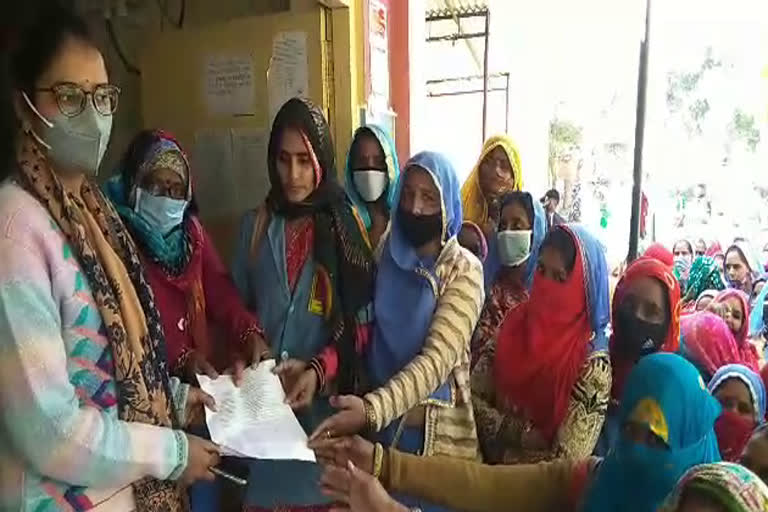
444 347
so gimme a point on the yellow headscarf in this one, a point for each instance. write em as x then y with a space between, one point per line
473 201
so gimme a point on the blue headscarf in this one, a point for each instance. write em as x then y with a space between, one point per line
756 317
393 171
539 225
665 392
406 286
171 250
750 379
596 284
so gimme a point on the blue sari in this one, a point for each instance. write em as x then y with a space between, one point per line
405 300
666 393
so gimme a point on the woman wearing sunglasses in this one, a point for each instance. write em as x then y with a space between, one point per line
90 419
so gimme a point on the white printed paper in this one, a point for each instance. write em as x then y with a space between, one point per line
249 152
228 84
253 420
378 44
287 76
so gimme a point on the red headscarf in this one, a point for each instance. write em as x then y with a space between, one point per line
715 250
746 349
647 266
709 343
542 347
661 253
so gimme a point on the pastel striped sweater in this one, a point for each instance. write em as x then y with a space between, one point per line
62 446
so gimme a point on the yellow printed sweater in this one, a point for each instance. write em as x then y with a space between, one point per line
449 426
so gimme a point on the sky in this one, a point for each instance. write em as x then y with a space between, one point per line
570 58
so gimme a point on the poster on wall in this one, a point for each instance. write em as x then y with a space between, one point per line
230 170
215 187
249 161
228 86
287 75
378 45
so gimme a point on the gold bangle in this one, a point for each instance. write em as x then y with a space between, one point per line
370 416
378 459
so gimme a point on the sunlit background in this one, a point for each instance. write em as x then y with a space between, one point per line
573 69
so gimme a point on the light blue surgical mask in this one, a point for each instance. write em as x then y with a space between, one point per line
514 247
76 143
162 213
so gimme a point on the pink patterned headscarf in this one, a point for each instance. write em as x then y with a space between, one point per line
709 344
741 336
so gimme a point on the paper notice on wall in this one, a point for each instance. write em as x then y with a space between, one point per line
287 76
228 84
215 182
378 39
249 152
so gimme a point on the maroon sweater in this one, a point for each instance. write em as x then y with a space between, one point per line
221 306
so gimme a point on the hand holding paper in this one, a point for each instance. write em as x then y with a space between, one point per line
253 420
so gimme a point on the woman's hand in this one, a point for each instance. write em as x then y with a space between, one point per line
194 410
338 451
196 365
300 382
348 421
359 490
202 456
720 309
258 350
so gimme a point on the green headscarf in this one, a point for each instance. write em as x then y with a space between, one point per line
704 275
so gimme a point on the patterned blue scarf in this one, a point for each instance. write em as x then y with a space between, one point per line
170 251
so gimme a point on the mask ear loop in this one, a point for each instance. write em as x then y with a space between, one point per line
40 116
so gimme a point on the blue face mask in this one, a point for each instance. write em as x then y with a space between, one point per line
161 213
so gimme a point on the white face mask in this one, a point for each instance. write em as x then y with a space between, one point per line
370 183
514 247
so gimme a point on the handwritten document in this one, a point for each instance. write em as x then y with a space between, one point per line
229 84
253 420
288 74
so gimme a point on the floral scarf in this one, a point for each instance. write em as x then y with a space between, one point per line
734 487
109 257
149 150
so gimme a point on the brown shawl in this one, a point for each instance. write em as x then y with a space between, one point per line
111 264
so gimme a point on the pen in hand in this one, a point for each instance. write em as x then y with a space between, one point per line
228 476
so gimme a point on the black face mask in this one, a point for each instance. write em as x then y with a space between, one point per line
638 337
420 229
